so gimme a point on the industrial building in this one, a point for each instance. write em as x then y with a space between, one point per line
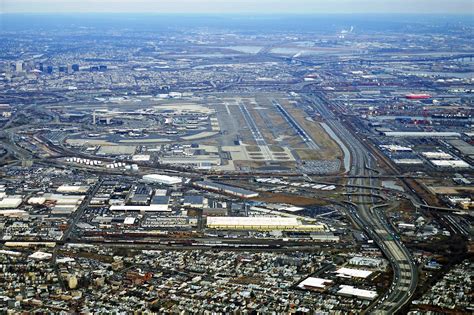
422 134
150 208
450 163
198 202
199 161
226 189
261 224
10 202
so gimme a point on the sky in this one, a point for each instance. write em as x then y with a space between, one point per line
239 6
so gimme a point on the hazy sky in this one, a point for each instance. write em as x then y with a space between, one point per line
241 6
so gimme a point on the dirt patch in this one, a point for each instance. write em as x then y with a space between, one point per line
290 199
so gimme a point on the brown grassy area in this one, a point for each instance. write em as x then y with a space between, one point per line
290 199
244 131
329 149
252 148
419 188
275 148
261 123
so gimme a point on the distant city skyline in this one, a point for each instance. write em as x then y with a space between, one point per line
238 6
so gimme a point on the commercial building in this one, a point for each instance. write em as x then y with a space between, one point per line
317 284
163 179
350 291
353 273
366 261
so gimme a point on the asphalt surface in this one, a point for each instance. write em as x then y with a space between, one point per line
369 216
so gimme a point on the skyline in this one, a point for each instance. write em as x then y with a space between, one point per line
239 6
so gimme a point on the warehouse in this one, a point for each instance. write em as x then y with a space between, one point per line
230 190
199 161
163 179
73 189
450 163
421 134
396 148
260 224
437 155
150 208
11 202
408 161
194 202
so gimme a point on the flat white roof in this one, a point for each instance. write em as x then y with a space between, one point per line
450 163
36 200
10 202
350 290
293 209
394 147
315 283
13 213
157 208
408 161
252 221
356 273
437 155
129 220
40 255
165 179
72 189
141 157
421 134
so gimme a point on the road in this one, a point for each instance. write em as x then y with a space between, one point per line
369 217
79 212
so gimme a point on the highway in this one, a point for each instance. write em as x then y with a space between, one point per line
370 218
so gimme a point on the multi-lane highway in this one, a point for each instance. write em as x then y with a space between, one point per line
369 217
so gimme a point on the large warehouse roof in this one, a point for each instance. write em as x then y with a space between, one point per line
261 223
11 202
150 208
252 221
236 191
421 134
450 163
163 179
